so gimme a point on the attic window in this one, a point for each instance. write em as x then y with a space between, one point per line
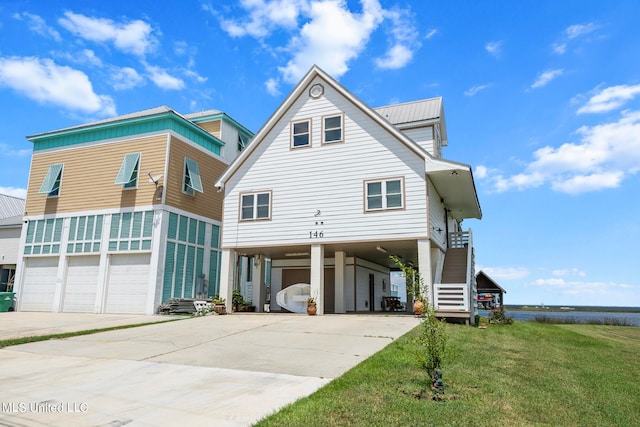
129 170
192 181
53 179
301 133
242 141
332 129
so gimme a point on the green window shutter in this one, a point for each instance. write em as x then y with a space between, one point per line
214 273
215 236
193 230
125 229
81 227
31 228
147 229
202 226
98 232
194 174
137 224
48 232
169 266
127 169
182 232
173 226
53 176
179 280
57 232
115 226
189 275
90 223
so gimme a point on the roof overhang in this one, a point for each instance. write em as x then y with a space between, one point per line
454 182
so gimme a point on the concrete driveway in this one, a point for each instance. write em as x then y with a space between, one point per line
207 371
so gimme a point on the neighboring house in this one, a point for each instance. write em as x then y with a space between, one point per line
329 188
490 294
121 214
11 212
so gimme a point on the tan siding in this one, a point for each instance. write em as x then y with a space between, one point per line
89 174
212 127
208 203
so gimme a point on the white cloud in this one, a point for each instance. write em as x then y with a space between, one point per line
430 34
610 98
559 48
8 151
569 272
578 30
505 273
494 48
605 155
125 78
15 192
38 25
544 78
272 87
330 35
163 79
131 37
49 83
195 76
475 89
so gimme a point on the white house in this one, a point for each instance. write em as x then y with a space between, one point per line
329 188
11 212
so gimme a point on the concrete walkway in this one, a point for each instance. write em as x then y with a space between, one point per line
207 371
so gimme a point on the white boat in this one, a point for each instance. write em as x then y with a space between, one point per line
294 297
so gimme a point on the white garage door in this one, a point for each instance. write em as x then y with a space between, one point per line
81 284
128 284
39 284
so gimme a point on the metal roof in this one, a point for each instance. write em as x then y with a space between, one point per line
412 112
199 114
11 206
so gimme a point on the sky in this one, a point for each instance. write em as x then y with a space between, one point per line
542 99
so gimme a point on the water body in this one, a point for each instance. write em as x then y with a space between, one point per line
631 317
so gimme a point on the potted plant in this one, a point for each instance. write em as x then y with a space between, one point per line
312 309
236 300
219 305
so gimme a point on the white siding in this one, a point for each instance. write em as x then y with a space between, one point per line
327 178
424 137
9 242
436 217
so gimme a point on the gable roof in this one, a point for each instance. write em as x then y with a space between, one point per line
486 284
463 200
11 210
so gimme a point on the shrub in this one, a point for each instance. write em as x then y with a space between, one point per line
499 316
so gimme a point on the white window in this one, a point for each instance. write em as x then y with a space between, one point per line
52 181
332 129
254 206
129 170
301 134
191 181
384 194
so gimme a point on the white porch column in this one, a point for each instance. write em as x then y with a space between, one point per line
424 266
258 282
340 265
227 270
317 276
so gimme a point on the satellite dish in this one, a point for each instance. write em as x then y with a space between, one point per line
155 179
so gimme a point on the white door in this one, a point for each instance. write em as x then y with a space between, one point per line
128 284
38 284
81 284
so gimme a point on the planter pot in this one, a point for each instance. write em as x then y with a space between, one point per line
418 307
220 308
312 309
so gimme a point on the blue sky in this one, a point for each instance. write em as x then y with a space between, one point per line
542 98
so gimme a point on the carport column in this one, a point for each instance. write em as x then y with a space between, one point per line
227 270
317 276
340 264
424 266
258 282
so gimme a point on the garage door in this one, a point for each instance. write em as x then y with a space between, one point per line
128 284
81 284
38 284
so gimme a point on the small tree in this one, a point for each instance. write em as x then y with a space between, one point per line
433 335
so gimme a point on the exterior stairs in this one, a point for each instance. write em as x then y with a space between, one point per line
454 269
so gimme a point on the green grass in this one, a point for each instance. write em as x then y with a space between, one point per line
525 374
26 340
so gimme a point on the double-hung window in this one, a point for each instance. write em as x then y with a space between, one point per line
255 206
332 129
52 181
384 194
301 134
129 171
191 181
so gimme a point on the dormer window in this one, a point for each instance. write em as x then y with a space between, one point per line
301 133
242 141
52 181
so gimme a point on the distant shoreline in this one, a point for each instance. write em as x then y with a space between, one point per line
569 309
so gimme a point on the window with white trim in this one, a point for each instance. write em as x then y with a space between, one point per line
301 133
384 194
255 206
52 181
129 170
191 181
332 129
